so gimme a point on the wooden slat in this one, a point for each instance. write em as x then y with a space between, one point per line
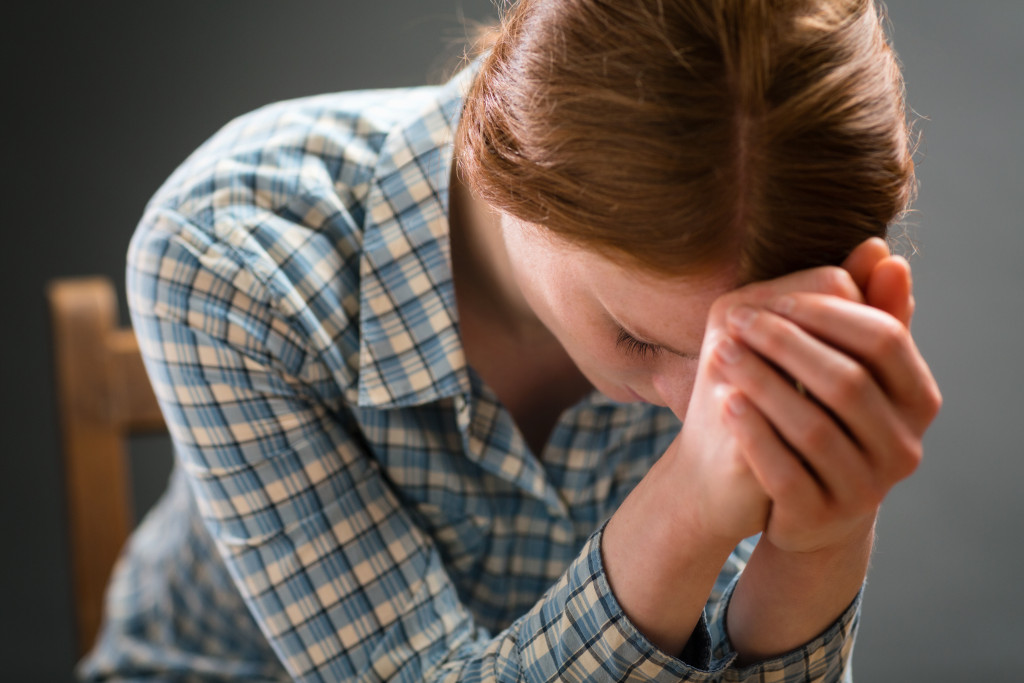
83 314
134 403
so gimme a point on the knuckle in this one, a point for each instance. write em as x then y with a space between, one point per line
890 337
913 453
934 398
774 336
817 436
910 453
927 403
849 386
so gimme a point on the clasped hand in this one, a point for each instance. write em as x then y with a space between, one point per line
810 403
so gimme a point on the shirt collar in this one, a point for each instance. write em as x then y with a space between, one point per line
410 351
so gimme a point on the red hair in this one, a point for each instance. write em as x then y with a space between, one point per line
675 135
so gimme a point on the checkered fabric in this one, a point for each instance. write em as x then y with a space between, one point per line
350 501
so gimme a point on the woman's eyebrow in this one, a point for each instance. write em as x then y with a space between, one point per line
646 339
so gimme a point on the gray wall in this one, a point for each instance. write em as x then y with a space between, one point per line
102 103
944 601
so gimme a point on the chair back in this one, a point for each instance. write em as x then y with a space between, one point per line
103 396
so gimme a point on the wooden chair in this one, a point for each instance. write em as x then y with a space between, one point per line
103 396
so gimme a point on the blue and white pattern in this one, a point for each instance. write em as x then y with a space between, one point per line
350 501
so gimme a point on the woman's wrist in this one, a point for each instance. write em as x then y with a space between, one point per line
661 561
786 598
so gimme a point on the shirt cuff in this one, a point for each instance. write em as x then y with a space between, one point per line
579 632
825 658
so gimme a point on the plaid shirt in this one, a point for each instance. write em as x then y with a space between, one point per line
350 501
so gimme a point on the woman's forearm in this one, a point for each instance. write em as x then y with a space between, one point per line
786 599
662 554
660 564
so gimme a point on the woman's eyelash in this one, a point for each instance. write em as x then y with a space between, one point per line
634 347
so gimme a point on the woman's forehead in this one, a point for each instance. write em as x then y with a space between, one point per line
718 275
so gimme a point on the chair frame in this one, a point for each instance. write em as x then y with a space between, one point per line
103 396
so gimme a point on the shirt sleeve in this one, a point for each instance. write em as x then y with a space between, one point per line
825 659
337 575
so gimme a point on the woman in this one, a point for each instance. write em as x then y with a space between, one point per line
426 398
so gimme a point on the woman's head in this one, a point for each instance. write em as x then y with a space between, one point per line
677 135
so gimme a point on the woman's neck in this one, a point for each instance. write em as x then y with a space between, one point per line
503 339
483 275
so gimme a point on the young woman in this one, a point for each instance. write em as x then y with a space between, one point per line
426 355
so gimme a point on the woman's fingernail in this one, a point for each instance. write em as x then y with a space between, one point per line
728 350
741 317
784 305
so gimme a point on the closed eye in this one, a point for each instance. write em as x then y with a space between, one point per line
634 348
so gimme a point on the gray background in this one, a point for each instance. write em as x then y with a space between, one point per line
102 102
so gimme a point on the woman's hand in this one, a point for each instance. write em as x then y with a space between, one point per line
710 457
828 400
756 454
666 544
834 399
